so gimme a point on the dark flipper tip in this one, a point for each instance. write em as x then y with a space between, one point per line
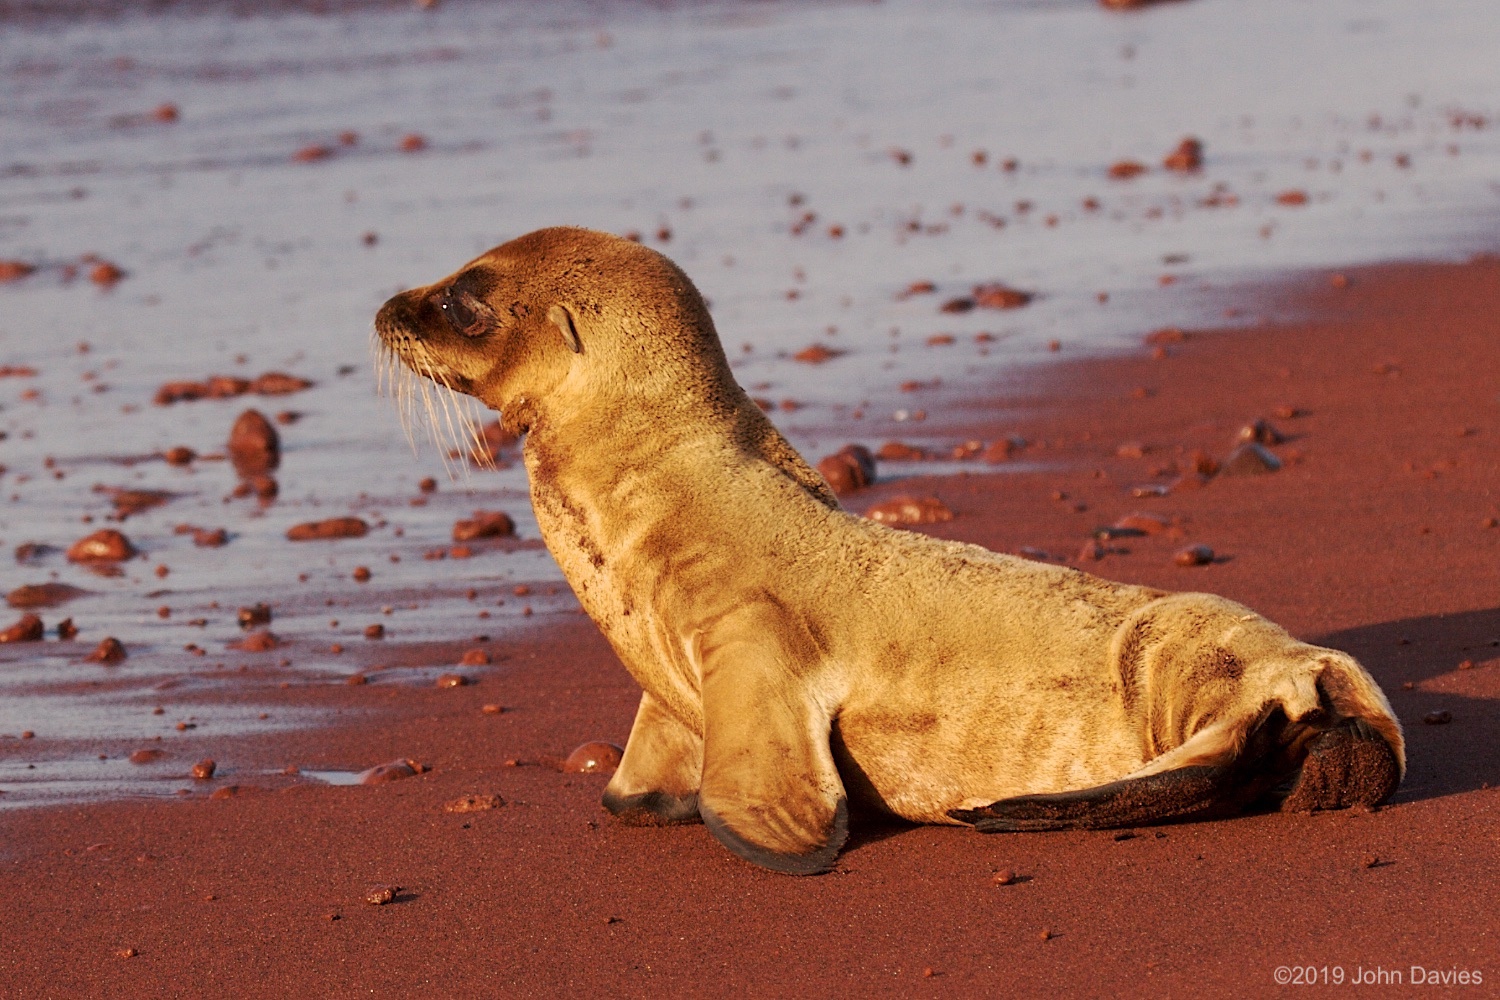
813 863
1349 765
652 808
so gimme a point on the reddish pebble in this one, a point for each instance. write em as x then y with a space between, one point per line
166 113
109 651
257 642
1001 451
225 386
594 756
254 445
15 270
334 527
1045 934
277 384
1126 169
311 154
1292 198
898 451
1004 877
1092 551
451 680
180 455
106 545
474 658
147 756
815 354
128 502
848 469
28 629
997 296
910 510
105 274
42 595
126 953
1194 555
413 143
376 631
484 524
492 709
380 895
66 630
361 574
256 614
1261 432
204 769
210 538
1188 156
227 792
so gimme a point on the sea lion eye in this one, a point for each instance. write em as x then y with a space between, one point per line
463 313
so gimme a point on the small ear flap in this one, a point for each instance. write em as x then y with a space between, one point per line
563 320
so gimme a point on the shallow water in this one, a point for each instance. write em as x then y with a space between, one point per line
712 131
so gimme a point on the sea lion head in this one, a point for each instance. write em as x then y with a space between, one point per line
558 320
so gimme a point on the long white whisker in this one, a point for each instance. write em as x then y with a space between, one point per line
451 436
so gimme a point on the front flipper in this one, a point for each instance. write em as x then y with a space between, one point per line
1185 791
770 791
656 783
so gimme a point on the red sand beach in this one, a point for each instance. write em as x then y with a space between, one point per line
1377 536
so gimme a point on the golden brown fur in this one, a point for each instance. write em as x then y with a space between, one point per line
789 651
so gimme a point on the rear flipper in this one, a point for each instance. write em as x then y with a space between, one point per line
1186 791
1348 765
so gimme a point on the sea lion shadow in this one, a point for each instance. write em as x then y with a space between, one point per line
868 826
1462 755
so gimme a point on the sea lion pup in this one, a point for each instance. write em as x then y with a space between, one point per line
793 655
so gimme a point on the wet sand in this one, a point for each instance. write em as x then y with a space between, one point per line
1378 536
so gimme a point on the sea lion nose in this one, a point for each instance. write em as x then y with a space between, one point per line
399 317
